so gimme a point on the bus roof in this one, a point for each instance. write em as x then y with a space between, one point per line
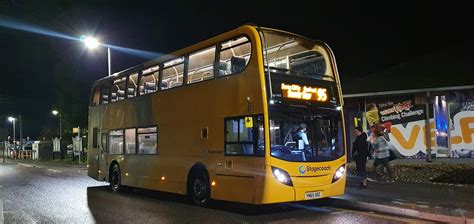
208 42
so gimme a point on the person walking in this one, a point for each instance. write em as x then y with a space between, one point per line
359 154
381 153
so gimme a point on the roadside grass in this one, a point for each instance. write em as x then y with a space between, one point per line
443 173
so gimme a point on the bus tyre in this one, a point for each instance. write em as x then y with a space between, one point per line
199 191
115 178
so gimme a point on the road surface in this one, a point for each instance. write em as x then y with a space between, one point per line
56 194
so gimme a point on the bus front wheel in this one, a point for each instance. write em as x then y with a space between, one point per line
115 178
199 191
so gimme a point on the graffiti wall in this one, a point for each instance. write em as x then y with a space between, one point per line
461 107
407 125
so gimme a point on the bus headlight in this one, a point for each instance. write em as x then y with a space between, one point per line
339 173
282 176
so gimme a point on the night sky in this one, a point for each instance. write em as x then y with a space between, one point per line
40 72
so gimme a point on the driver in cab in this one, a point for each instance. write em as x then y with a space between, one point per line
301 135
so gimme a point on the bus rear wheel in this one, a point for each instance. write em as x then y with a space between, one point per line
199 191
115 178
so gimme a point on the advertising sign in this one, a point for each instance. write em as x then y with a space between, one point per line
399 110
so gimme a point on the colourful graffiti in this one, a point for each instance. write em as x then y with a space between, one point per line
410 139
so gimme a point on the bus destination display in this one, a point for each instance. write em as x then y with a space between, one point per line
299 92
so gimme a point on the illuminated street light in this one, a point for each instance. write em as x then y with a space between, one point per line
56 113
12 119
92 43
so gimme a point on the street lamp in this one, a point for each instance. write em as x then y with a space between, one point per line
56 113
12 120
92 43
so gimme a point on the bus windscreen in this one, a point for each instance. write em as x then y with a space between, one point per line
306 137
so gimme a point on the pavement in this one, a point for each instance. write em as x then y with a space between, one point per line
443 203
434 161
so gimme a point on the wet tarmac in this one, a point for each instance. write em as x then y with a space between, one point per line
55 194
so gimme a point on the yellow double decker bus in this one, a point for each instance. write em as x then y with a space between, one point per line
253 115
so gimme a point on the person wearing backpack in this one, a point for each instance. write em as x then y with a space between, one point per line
359 154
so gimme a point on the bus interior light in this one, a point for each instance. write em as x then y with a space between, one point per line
162 177
282 176
213 183
272 101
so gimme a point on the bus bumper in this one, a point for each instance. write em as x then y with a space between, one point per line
304 188
330 190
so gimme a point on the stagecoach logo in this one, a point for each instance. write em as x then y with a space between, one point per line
302 169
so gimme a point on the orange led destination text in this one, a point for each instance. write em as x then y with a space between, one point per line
294 91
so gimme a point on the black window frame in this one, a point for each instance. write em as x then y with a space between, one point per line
255 133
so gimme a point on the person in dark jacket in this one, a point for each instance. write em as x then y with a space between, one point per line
360 152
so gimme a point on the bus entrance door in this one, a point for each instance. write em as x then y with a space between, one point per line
102 158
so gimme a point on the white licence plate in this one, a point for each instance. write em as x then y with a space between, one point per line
313 195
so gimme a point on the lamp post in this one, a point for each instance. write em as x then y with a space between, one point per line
12 120
92 43
56 113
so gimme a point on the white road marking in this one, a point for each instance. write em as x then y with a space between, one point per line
26 165
390 217
422 202
397 202
1 212
54 171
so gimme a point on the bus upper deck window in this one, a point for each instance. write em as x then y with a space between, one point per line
96 96
234 56
201 65
118 90
132 85
173 72
104 93
149 80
